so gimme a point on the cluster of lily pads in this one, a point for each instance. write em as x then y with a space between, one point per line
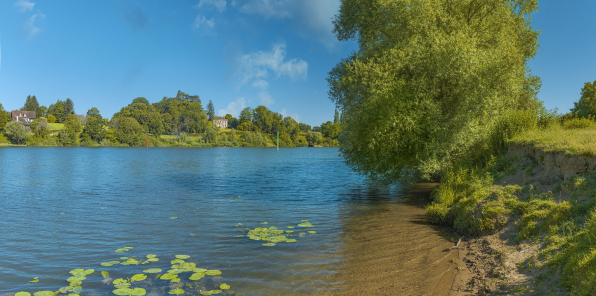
274 235
123 286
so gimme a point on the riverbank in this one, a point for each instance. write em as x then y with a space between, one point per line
529 217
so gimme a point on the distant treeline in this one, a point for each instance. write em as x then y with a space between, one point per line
173 121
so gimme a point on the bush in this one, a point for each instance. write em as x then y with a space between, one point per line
578 123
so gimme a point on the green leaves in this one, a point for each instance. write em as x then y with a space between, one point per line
138 277
34 280
212 272
152 270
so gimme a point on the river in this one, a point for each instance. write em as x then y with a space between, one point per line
72 208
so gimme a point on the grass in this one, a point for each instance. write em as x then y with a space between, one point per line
56 126
581 142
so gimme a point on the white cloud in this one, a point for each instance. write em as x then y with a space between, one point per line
204 24
265 98
257 65
262 84
30 27
314 17
219 5
24 5
294 116
233 108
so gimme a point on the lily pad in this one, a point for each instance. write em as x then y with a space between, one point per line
89 271
106 264
138 277
34 280
22 294
138 292
269 244
173 217
151 256
105 274
44 293
175 280
290 240
123 291
305 224
213 292
168 276
177 261
121 283
182 256
196 276
153 259
291 227
312 231
177 291
212 272
129 247
199 270
224 286
124 258
152 270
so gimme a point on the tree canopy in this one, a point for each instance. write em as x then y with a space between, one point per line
586 106
429 80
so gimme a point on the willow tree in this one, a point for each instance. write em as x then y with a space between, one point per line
429 79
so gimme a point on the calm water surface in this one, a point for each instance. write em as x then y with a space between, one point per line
67 208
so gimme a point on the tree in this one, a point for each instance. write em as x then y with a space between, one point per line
43 110
39 127
51 119
4 117
304 127
57 110
586 106
93 112
233 138
336 117
211 135
210 111
429 80
232 122
141 100
245 115
17 132
128 131
68 107
314 138
94 129
31 104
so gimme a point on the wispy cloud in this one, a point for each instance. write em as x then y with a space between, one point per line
257 65
219 5
233 108
314 16
205 25
24 5
294 116
30 27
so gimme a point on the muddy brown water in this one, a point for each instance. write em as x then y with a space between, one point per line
392 250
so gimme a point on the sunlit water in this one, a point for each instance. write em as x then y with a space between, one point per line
68 208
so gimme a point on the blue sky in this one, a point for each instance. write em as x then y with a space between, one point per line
237 53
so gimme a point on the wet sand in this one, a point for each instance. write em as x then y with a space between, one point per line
392 250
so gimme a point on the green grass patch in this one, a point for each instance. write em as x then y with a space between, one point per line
559 139
56 126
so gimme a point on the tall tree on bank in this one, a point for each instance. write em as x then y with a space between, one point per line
429 79
210 111
68 108
586 106
57 110
4 117
31 104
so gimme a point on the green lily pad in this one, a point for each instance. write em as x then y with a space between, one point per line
106 264
123 291
138 277
22 294
196 276
132 261
121 250
168 276
89 271
105 274
205 293
305 224
44 293
289 231
138 292
182 256
153 259
224 286
264 223
213 292
173 217
290 240
124 258
269 244
212 272
301 234
175 280
76 278
152 270
129 247
75 271
63 290
199 270
312 231
75 283
291 227
34 280
151 256
177 261
121 283
177 291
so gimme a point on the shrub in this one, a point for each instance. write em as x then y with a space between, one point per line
578 123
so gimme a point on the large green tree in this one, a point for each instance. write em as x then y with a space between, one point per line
4 117
210 111
586 106
68 107
17 132
429 79
31 104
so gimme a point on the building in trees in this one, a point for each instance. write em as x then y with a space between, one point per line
24 117
220 122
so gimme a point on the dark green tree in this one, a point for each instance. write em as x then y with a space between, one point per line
140 100
4 117
68 107
128 131
31 104
211 135
93 112
245 115
304 127
210 111
233 137
94 129
57 110
39 127
586 106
